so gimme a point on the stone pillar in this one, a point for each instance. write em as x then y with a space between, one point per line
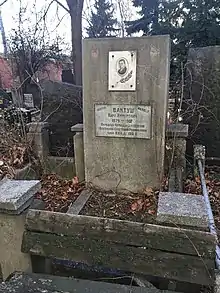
38 136
199 154
79 151
15 197
176 141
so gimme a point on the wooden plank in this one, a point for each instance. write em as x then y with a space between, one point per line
174 266
124 232
38 283
79 203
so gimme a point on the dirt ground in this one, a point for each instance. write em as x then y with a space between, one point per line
134 207
58 194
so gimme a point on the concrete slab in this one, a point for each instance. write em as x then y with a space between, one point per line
182 209
16 195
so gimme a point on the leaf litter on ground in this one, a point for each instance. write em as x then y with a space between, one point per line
139 207
58 193
15 152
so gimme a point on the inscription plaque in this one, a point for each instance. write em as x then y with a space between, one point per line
122 71
129 121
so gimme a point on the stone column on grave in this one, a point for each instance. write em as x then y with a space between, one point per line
16 196
79 151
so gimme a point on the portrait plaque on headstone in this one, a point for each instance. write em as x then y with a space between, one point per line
122 71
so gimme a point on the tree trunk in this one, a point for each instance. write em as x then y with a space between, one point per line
76 7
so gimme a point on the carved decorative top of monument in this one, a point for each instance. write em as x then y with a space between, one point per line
122 71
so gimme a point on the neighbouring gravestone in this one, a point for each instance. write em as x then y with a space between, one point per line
202 98
62 108
28 101
125 94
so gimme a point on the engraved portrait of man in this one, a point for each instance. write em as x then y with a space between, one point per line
122 66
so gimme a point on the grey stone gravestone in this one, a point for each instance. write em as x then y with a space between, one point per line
16 195
62 108
125 89
202 97
182 209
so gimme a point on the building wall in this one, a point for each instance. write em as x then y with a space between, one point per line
52 71
6 80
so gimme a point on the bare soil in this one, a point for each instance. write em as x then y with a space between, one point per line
58 193
133 207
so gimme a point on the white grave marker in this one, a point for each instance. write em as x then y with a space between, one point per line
28 100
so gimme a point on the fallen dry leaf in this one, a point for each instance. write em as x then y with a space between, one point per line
137 205
148 191
151 212
75 180
58 193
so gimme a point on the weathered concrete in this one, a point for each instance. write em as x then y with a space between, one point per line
26 173
32 283
38 136
126 163
217 282
62 108
62 166
176 135
175 183
77 128
199 154
79 156
202 90
11 258
15 195
177 130
182 209
79 151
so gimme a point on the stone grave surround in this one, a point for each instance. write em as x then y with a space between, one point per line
182 210
125 97
16 196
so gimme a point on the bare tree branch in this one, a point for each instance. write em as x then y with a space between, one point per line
64 7
60 20
3 2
